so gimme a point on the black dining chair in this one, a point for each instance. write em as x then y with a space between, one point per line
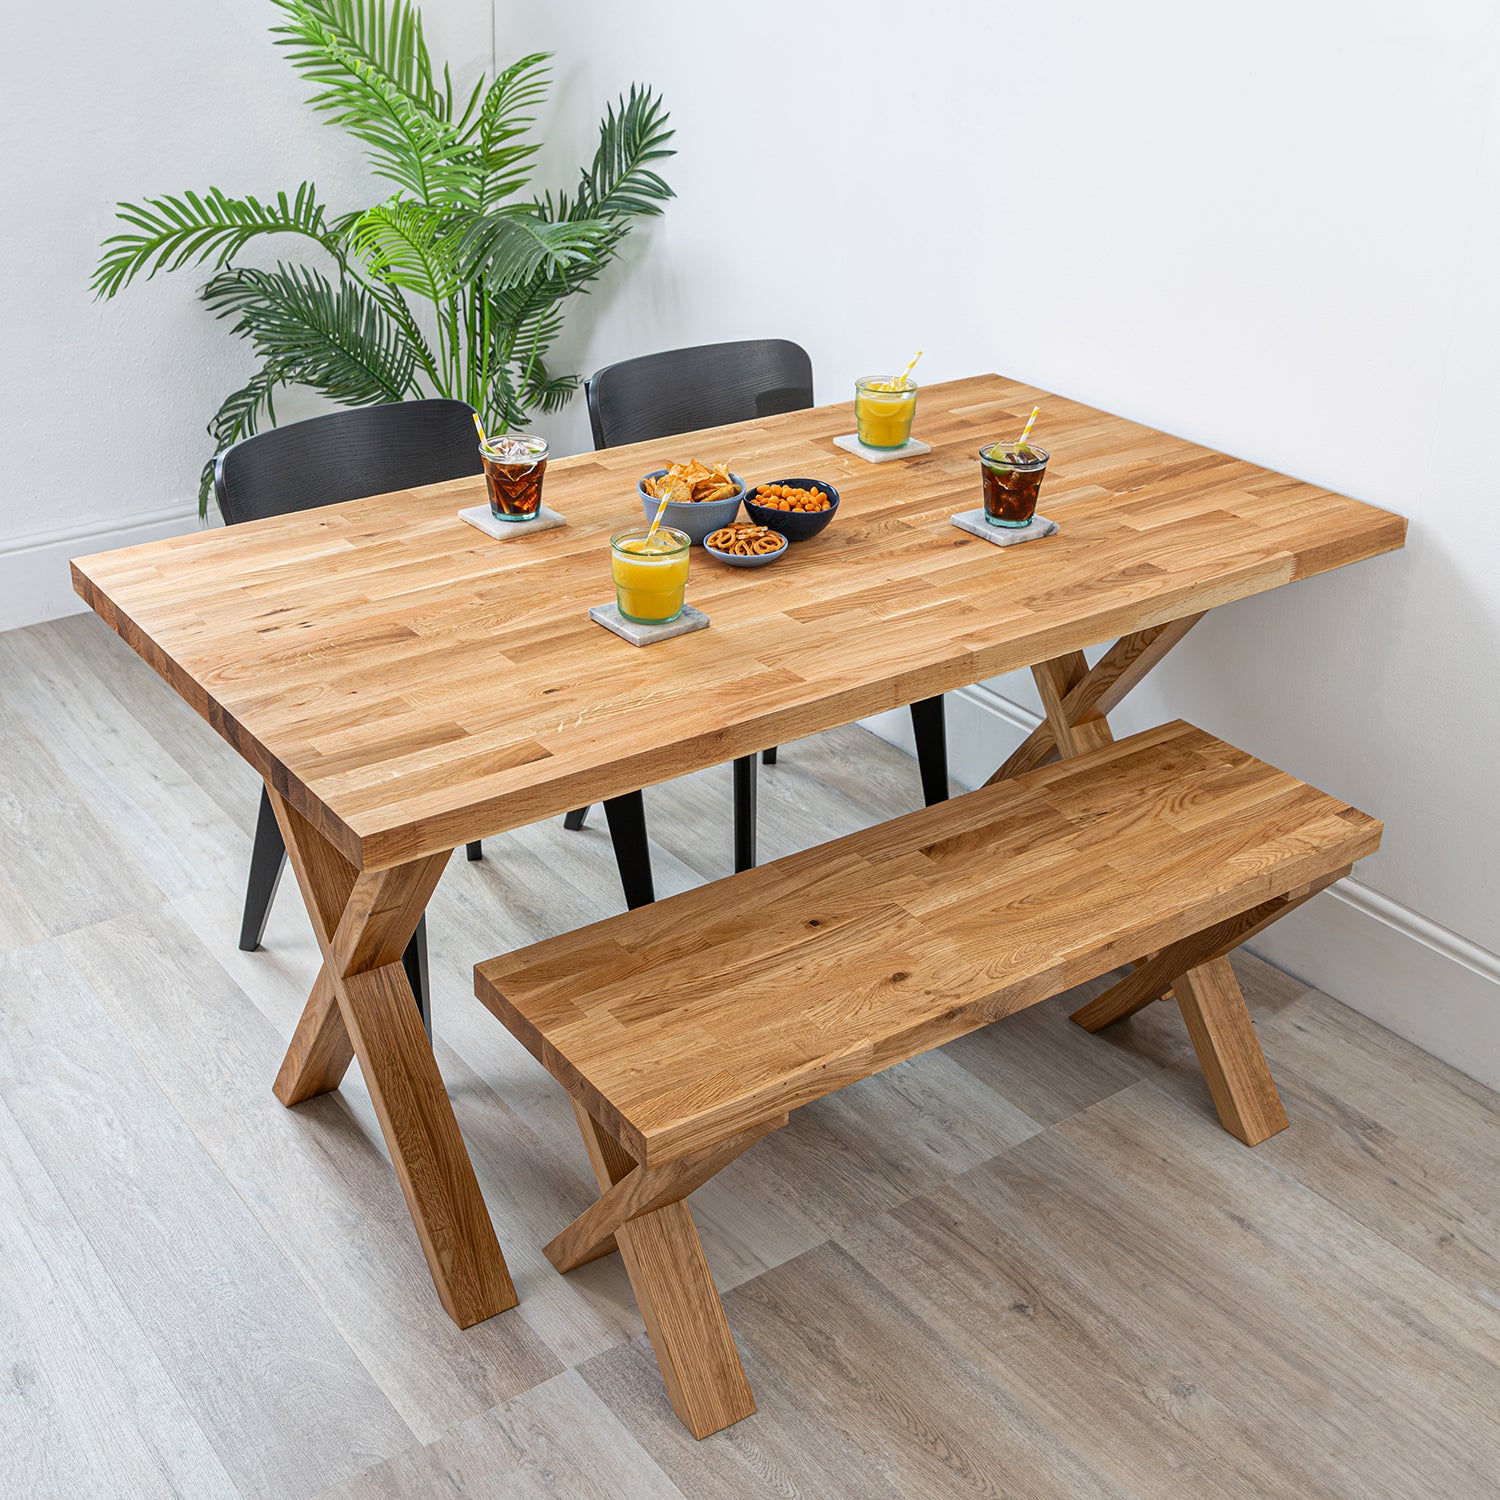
709 385
347 455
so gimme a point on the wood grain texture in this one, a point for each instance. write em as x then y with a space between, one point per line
319 1053
408 686
87 1407
315 1178
1077 733
250 1352
558 1441
427 1151
1234 1065
682 1023
674 1289
1201 1323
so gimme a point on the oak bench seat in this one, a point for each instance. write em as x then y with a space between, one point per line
686 1030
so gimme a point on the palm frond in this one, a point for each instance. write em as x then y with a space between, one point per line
494 149
403 243
503 410
240 411
412 142
337 339
238 417
508 247
536 328
166 233
385 34
550 392
620 183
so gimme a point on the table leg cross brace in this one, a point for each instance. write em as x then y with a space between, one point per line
1078 697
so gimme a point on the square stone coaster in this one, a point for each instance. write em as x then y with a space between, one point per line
1003 536
504 531
910 449
609 616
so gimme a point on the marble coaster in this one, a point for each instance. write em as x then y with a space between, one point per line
1003 536
850 443
609 616
504 531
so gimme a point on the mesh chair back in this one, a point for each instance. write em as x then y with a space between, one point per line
368 450
679 390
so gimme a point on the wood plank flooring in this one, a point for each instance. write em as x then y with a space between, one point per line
1030 1264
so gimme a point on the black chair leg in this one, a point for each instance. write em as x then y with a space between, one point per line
573 821
932 748
414 961
627 832
744 813
768 757
474 850
266 861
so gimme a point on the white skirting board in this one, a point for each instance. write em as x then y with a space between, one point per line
1427 984
1430 985
35 583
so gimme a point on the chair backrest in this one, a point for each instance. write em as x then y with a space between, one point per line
367 450
679 390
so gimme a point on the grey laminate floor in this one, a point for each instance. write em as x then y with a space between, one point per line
1030 1264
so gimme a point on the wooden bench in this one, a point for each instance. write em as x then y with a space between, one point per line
687 1030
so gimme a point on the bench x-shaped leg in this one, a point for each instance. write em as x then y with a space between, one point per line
1198 973
362 1006
1077 699
646 1213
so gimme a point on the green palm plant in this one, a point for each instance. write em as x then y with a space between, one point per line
452 286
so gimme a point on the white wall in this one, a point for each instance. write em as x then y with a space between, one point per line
104 404
1271 229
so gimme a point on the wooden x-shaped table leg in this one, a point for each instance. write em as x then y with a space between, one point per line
1077 699
362 1006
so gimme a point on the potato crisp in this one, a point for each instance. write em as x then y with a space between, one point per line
692 482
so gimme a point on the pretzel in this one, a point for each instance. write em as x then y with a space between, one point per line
745 539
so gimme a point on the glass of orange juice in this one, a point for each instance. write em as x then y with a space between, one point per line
883 410
651 573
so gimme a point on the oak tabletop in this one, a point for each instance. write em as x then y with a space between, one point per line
408 684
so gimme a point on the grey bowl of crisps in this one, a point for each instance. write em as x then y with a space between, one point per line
748 559
695 517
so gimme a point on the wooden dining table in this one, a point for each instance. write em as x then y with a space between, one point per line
406 685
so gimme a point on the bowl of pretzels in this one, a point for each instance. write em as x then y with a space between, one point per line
745 545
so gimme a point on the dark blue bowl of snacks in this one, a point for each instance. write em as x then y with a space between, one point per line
798 508
745 545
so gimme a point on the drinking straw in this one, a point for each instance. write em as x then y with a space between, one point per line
479 428
1020 442
899 383
661 510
